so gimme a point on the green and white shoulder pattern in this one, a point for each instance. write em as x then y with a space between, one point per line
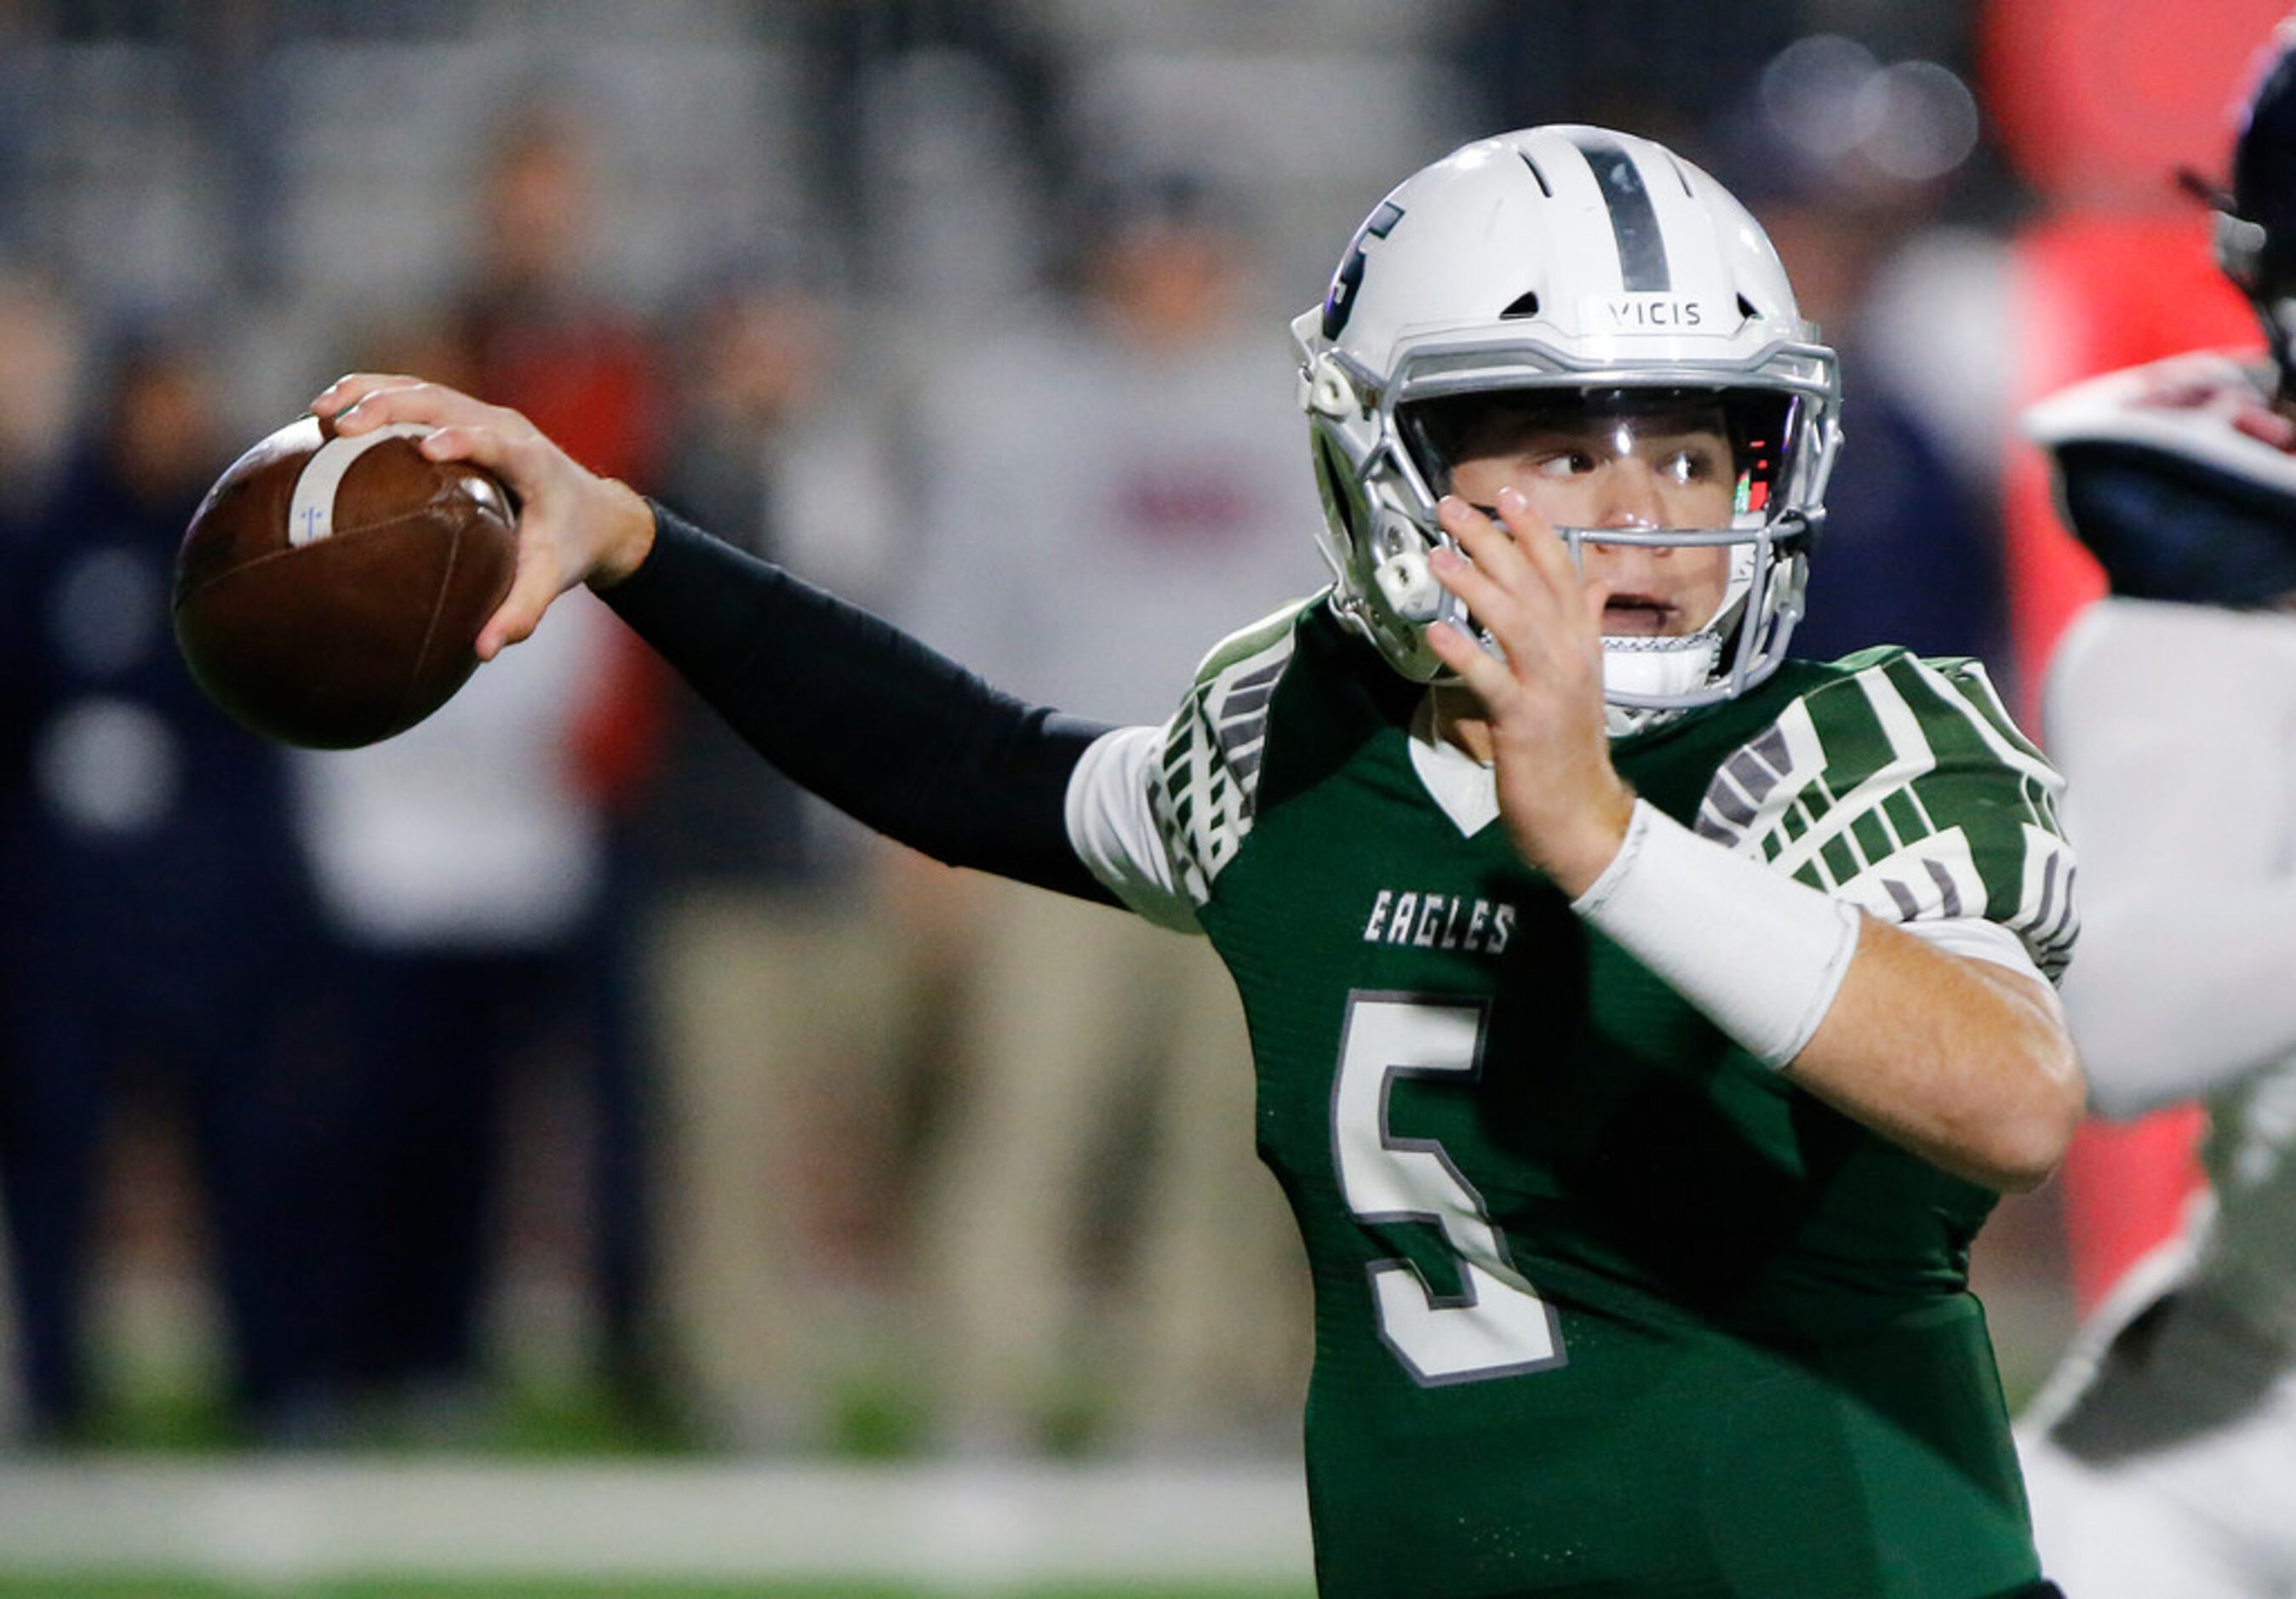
1157 812
1206 785
1903 787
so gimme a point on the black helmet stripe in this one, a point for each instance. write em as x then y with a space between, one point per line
1643 266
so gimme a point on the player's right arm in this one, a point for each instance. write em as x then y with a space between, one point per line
898 736
2167 710
573 526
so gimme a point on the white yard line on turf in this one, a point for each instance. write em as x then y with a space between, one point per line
955 1525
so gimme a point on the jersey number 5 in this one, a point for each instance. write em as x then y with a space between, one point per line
1496 1325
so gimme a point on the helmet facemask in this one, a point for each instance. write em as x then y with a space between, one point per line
1763 509
1687 474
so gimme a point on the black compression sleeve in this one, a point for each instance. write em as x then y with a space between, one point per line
853 708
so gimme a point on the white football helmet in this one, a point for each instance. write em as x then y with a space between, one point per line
1594 269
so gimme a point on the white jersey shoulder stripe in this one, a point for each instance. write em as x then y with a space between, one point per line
1111 823
1155 813
1208 785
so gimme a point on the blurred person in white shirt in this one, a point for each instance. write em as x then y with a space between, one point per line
1103 1100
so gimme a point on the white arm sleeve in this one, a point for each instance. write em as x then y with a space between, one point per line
2176 729
1112 821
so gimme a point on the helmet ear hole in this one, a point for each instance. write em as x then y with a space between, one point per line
1526 304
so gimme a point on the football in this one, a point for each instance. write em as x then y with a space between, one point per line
329 589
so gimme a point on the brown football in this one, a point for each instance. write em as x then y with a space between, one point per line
329 589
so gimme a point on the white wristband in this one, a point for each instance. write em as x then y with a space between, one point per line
1760 954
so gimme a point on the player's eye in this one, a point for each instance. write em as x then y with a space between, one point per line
1694 464
1566 463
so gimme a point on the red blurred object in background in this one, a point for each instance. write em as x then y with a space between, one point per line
2100 104
2100 101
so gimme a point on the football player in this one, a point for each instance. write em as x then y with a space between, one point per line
2162 1454
1643 1021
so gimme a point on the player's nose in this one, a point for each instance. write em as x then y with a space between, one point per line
1627 496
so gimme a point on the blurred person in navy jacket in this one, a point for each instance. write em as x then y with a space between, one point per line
156 934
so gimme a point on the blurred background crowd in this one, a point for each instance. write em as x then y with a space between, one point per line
555 1065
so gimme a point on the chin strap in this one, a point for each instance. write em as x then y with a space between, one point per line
1673 668
1651 667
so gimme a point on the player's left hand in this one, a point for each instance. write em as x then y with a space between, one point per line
1564 804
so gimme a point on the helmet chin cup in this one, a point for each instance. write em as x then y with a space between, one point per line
1650 672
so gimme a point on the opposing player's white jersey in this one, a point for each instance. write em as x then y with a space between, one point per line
2165 1450
2175 725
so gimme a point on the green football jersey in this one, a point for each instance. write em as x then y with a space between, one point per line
1602 1305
